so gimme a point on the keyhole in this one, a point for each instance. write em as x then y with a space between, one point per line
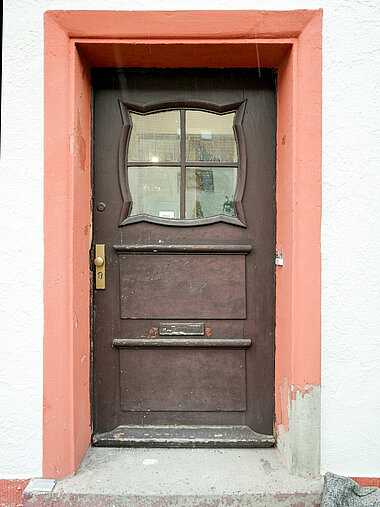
100 275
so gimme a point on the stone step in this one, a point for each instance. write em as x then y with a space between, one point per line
182 436
179 477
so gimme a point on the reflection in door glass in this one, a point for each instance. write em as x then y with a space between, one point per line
155 191
210 137
189 177
155 137
210 191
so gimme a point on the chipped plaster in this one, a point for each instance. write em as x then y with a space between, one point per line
299 439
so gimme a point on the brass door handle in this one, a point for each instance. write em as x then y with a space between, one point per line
100 270
99 261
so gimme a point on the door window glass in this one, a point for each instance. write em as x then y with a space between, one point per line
183 164
210 191
155 191
210 137
155 137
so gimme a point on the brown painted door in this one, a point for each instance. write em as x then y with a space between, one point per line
184 202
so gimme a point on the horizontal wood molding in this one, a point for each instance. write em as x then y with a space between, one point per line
182 342
214 249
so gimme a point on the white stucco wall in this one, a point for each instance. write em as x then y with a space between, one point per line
350 231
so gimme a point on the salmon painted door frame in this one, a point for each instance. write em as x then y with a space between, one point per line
75 41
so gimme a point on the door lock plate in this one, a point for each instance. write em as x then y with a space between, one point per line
100 266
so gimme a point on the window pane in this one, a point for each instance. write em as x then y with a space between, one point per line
210 137
210 191
155 191
155 137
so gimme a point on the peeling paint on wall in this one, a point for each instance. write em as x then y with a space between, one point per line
298 439
78 146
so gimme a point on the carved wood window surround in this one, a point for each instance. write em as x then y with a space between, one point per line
188 174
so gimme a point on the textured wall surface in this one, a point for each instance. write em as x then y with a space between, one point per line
11 492
350 238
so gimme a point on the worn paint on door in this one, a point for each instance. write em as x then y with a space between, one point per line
184 200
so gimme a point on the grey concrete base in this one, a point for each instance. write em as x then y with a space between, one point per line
180 477
300 443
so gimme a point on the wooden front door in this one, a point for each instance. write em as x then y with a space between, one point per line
184 202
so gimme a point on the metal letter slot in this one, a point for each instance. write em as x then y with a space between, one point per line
100 266
181 328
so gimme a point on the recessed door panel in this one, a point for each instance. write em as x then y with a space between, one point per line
180 379
161 286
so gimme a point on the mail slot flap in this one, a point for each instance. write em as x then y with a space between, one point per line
181 329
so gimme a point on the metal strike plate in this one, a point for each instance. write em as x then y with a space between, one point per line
279 259
100 266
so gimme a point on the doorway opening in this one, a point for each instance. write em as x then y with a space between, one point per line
75 42
184 211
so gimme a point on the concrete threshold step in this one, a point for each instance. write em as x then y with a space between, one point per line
182 436
180 477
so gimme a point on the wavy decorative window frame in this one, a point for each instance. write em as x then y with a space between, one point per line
238 108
